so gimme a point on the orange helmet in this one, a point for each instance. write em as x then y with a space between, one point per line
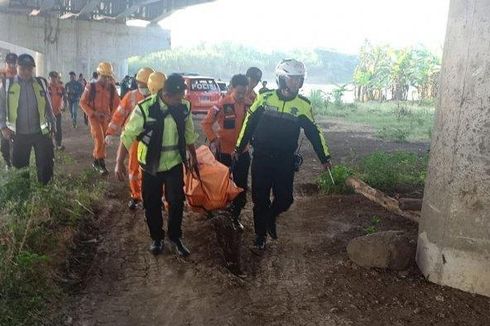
143 74
105 69
156 81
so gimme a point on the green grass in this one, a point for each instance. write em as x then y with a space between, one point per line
389 172
339 174
37 225
394 121
392 171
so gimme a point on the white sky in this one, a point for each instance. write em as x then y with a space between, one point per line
335 24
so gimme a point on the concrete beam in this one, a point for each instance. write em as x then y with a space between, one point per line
135 7
454 231
81 45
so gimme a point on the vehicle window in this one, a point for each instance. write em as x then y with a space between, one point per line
203 85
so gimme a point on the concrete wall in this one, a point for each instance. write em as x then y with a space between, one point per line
80 45
454 233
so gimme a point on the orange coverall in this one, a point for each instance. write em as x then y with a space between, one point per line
99 113
227 136
119 118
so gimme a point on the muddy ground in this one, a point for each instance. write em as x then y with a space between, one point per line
304 278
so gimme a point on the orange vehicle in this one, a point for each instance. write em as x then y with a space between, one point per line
203 92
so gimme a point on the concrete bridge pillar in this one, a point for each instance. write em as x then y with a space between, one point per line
454 233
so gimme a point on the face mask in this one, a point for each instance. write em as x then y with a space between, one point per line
144 91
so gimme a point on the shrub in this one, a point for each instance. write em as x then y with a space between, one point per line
34 223
339 174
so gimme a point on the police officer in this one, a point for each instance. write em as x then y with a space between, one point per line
27 118
163 125
273 126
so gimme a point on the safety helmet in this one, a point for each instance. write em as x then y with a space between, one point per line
289 68
156 81
143 74
105 69
254 73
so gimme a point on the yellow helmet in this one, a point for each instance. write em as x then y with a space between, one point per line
156 81
143 74
105 69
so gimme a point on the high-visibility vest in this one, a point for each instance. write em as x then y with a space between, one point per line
13 95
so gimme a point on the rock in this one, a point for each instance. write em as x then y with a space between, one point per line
439 298
387 249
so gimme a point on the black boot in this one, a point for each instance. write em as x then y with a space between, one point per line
96 165
259 242
235 218
180 248
103 169
156 247
134 203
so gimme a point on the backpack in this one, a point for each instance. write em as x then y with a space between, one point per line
92 93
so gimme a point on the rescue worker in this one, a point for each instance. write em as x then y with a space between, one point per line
273 126
254 76
26 117
230 113
58 102
99 100
119 118
163 125
74 91
9 72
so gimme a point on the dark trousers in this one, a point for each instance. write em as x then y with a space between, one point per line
274 173
43 150
5 149
240 177
58 136
152 186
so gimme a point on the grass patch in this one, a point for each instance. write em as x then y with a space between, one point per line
339 174
391 171
394 121
388 172
37 225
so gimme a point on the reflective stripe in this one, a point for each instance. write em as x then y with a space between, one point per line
114 126
170 148
132 177
133 99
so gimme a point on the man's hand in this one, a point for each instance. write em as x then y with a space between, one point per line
214 146
120 171
7 133
235 156
327 165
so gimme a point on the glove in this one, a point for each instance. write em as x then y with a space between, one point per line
109 140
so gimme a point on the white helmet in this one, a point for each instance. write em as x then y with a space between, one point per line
288 68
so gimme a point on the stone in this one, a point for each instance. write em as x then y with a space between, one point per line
388 249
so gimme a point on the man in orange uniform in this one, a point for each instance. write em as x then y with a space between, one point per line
230 113
58 103
254 76
9 72
128 103
98 101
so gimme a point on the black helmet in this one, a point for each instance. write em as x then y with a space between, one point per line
174 84
26 60
254 73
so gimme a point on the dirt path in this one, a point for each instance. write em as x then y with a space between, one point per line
305 278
